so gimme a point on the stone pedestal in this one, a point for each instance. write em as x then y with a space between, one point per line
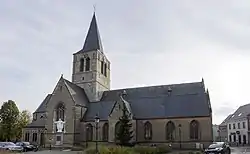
59 139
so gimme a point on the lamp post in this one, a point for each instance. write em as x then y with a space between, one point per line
87 136
45 137
50 145
180 134
97 120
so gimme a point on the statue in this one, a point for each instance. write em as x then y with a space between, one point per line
59 125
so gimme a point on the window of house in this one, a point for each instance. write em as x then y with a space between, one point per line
147 131
238 125
233 126
27 137
243 124
105 132
229 126
170 128
102 67
194 130
87 67
34 137
81 65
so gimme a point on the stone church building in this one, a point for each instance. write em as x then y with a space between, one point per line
179 114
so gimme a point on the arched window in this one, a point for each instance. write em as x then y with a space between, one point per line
87 67
34 137
148 131
105 69
89 132
117 129
102 67
27 137
194 130
170 129
105 132
81 65
60 112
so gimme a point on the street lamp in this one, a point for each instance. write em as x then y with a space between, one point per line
97 120
180 134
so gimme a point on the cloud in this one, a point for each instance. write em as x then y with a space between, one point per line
149 43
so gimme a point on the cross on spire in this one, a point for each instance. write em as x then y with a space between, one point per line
94 7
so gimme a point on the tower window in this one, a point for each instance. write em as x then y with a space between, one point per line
105 69
102 65
81 65
87 67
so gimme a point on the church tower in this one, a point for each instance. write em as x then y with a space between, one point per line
91 68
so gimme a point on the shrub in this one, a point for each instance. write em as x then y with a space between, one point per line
110 150
145 150
90 151
129 150
121 150
163 149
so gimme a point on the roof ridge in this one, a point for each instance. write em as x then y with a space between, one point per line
154 86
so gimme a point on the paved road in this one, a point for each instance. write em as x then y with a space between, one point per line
240 150
235 150
52 152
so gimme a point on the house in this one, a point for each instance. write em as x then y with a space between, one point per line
237 125
222 130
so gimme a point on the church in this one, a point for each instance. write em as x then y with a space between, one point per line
86 110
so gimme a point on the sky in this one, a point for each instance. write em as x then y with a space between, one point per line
148 43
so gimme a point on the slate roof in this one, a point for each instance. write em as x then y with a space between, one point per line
93 39
36 124
42 106
185 100
78 94
240 113
224 122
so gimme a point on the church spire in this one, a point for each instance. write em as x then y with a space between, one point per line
93 39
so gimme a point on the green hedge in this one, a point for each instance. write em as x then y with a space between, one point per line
127 150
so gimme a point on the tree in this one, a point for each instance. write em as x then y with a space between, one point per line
124 133
24 119
9 119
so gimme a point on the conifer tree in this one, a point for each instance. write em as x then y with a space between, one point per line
124 133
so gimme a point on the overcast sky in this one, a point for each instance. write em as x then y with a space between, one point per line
148 43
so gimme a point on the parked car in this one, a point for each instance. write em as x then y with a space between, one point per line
27 146
1 145
9 146
218 148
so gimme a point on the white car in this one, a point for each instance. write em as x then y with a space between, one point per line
9 146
